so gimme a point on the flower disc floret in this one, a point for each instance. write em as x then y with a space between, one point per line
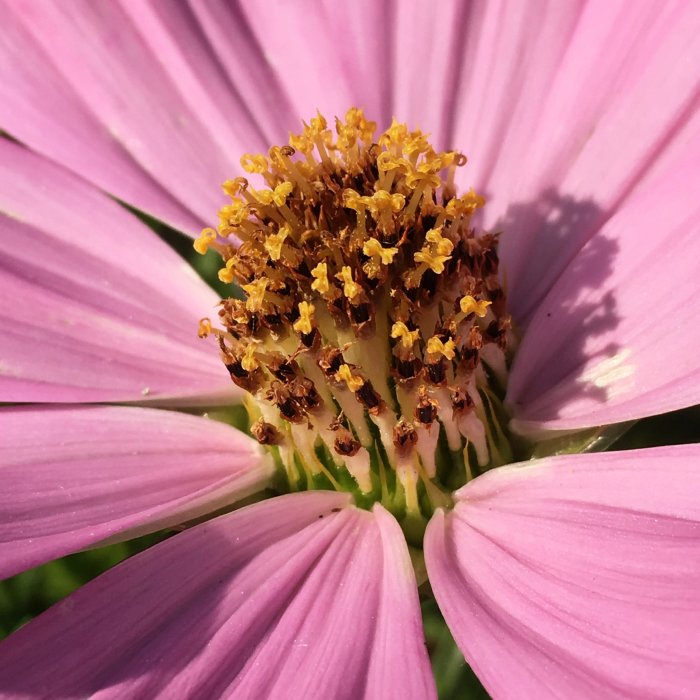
369 304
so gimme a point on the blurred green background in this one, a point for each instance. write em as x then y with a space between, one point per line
28 594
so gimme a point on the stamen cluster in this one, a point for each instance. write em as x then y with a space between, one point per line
373 326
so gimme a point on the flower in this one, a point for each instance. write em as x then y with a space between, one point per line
586 150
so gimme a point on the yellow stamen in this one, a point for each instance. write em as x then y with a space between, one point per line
256 294
306 314
275 241
468 304
249 363
234 187
466 204
226 273
344 374
373 248
435 346
435 262
254 163
205 239
204 328
278 196
408 337
320 275
233 214
350 288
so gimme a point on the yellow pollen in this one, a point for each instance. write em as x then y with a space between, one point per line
350 288
254 163
205 239
344 374
233 214
249 363
278 196
300 142
423 176
466 204
275 241
320 275
436 346
256 293
373 248
435 262
468 304
388 161
395 134
408 337
226 273
356 119
204 328
318 124
234 187
304 323
383 201
352 200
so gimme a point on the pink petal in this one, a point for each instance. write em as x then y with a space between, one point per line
299 596
40 106
576 576
244 60
597 108
135 98
318 67
614 339
73 477
94 306
503 73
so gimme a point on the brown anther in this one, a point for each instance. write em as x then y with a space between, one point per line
288 407
311 341
330 360
474 339
407 370
345 444
426 408
282 368
248 381
266 433
405 438
461 400
369 398
304 392
436 372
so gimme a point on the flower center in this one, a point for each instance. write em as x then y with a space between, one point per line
372 337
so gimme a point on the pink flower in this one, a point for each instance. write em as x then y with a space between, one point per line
570 576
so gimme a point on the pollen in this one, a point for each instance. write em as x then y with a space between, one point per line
350 288
274 242
205 239
320 275
304 324
373 330
204 328
256 293
372 248
469 305
226 274
436 346
354 382
407 336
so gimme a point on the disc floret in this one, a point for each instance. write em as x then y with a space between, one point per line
373 331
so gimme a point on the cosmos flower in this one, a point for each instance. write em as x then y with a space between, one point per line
424 350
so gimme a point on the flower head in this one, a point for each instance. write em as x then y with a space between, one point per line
367 248
374 336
